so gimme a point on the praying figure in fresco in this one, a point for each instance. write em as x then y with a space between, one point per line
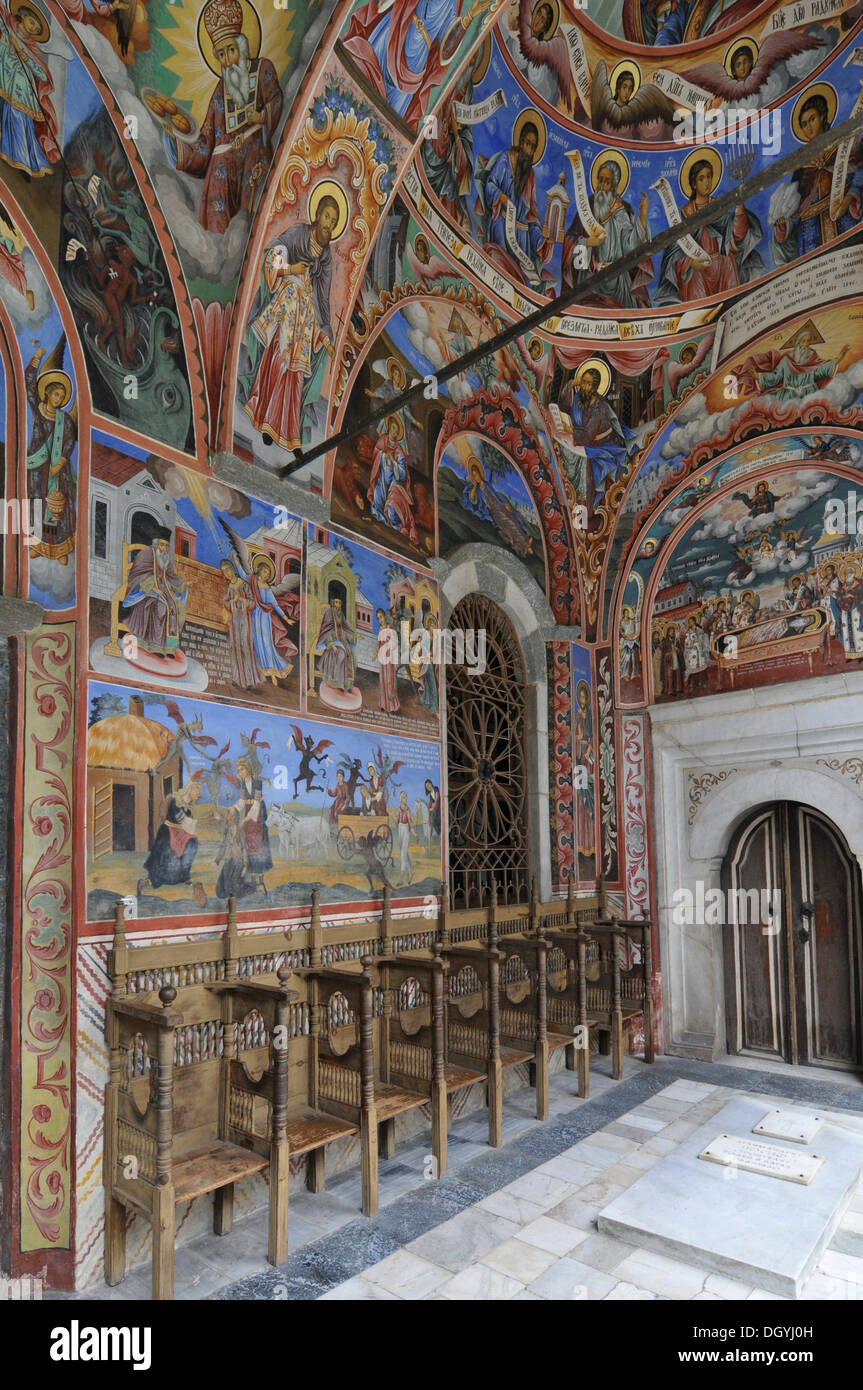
235 147
729 243
335 647
175 845
28 122
795 370
53 437
389 485
403 47
293 327
802 212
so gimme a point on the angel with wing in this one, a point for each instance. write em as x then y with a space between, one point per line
53 439
545 53
275 608
751 76
622 106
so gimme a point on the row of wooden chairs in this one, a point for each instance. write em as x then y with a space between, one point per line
229 1066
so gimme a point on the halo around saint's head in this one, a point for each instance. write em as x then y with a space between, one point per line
328 188
54 378
582 686
481 60
610 157
45 29
554 7
704 154
626 65
596 364
264 564
734 48
224 19
531 117
400 429
818 89
534 349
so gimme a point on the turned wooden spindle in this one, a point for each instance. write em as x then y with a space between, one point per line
232 941
570 904
316 936
443 920
386 916
280 1078
165 1092
119 952
367 1058
492 915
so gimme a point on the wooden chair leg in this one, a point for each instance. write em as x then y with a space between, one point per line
649 1044
583 1059
223 1209
315 1179
541 1070
387 1138
163 1244
617 1046
115 1240
495 1104
369 1151
277 1234
439 1128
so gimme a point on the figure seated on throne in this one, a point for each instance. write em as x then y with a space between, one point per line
154 599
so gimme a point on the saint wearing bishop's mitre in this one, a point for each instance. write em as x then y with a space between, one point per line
235 146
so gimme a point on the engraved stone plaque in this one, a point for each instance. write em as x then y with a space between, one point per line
798 1125
735 1151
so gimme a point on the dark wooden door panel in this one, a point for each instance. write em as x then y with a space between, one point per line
756 1013
826 946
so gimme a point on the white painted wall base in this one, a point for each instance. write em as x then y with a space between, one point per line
714 760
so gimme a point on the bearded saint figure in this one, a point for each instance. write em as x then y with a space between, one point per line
235 147
155 598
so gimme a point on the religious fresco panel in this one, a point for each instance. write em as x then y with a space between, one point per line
371 624
186 806
193 586
482 498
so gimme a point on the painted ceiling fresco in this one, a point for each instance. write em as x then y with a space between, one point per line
236 227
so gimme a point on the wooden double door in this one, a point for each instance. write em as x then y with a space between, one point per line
793 978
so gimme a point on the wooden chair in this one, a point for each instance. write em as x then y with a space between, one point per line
619 994
350 1081
473 1018
196 1098
413 1046
524 1007
567 1004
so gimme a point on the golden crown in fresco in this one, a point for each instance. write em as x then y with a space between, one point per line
223 19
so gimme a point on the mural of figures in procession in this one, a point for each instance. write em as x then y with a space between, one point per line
193 586
186 806
371 625
762 587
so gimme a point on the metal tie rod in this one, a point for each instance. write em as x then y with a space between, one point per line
744 190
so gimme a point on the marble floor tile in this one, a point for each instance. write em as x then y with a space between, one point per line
407 1276
569 1279
538 1187
481 1284
519 1260
558 1237
463 1239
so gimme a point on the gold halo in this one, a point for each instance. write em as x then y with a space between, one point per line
45 32
818 89
394 362
582 685
329 187
849 565
251 28
625 65
481 60
611 157
710 156
54 378
596 364
258 563
744 42
401 433
554 6
473 460
534 349
532 115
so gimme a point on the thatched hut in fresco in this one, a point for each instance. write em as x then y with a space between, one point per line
130 777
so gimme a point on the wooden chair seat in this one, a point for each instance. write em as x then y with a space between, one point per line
215 1166
456 1077
558 1040
311 1129
630 1008
393 1100
511 1056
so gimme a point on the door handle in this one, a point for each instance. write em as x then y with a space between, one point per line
802 934
807 911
